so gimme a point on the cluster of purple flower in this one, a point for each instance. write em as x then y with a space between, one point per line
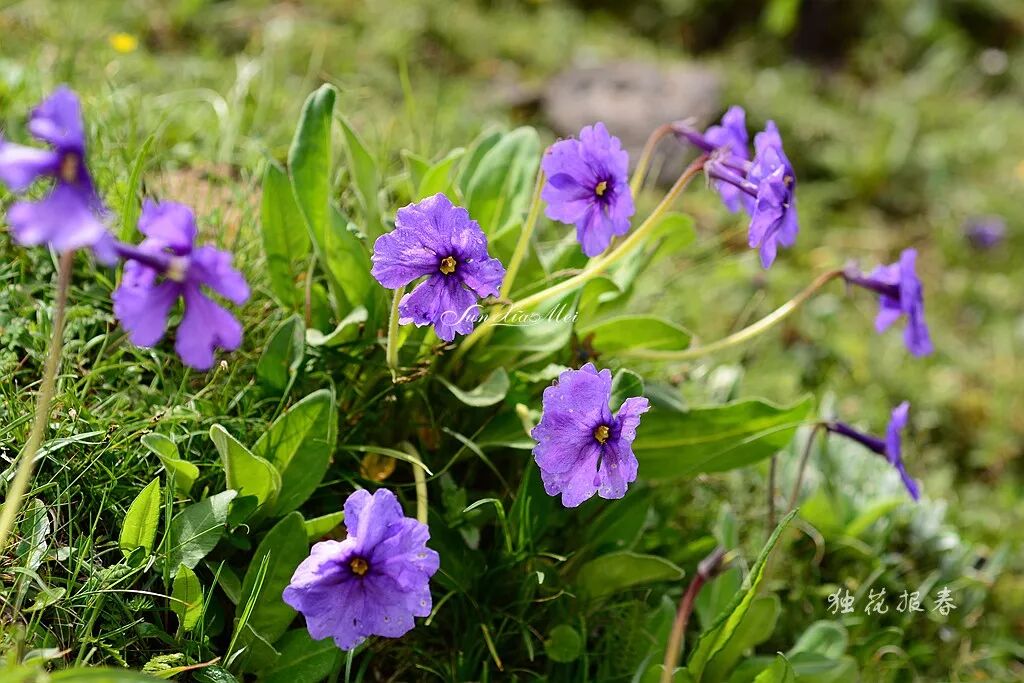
166 266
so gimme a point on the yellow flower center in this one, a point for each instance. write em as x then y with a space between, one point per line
601 188
448 265
601 433
359 566
177 270
68 170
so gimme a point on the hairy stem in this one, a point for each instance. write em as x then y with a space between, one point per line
644 161
44 397
524 238
392 350
708 569
746 334
803 466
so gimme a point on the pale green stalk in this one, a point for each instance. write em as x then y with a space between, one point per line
524 238
44 397
640 172
392 349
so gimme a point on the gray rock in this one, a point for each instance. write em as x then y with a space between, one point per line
632 99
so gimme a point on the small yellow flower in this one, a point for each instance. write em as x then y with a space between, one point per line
124 42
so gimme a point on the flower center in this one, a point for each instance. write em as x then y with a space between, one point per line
448 265
602 433
601 188
359 566
68 170
177 269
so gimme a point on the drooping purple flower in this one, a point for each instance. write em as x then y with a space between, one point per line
773 221
730 142
582 448
900 294
986 232
587 186
371 584
890 448
167 266
71 215
437 239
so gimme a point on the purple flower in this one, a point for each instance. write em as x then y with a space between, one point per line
435 238
729 145
773 220
890 447
167 266
900 294
71 216
371 584
583 449
587 187
986 233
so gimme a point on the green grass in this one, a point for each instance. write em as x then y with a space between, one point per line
896 147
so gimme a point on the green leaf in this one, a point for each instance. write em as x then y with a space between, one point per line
863 521
492 390
303 660
715 438
130 208
499 188
286 241
299 445
195 531
187 598
279 363
563 644
625 384
755 628
34 530
437 178
345 331
480 147
714 640
285 547
140 522
248 474
622 570
779 672
185 473
318 527
348 261
627 332
309 161
100 675
825 638
367 179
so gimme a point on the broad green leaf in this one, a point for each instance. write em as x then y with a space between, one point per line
100 675
492 390
480 147
779 672
279 363
130 207
345 331
187 598
499 189
367 179
564 644
437 178
299 445
35 530
248 474
303 660
826 638
141 520
627 332
213 674
625 384
714 438
285 239
348 260
863 521
309 162
717 595
318 527
285 547
755 628
185 473
416 166
715 639
622 570
195 531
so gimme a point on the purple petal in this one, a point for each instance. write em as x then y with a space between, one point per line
58 121
64 219
579 483
368 516
573 408
205 326
20 165
212 267
143 310
443 302
169 224
483 276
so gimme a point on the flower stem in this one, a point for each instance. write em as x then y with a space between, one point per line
19 486
392 350
644 160
596 265
708 569
798 484
420 478
524 238
746 334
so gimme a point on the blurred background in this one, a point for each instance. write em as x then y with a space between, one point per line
903 119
